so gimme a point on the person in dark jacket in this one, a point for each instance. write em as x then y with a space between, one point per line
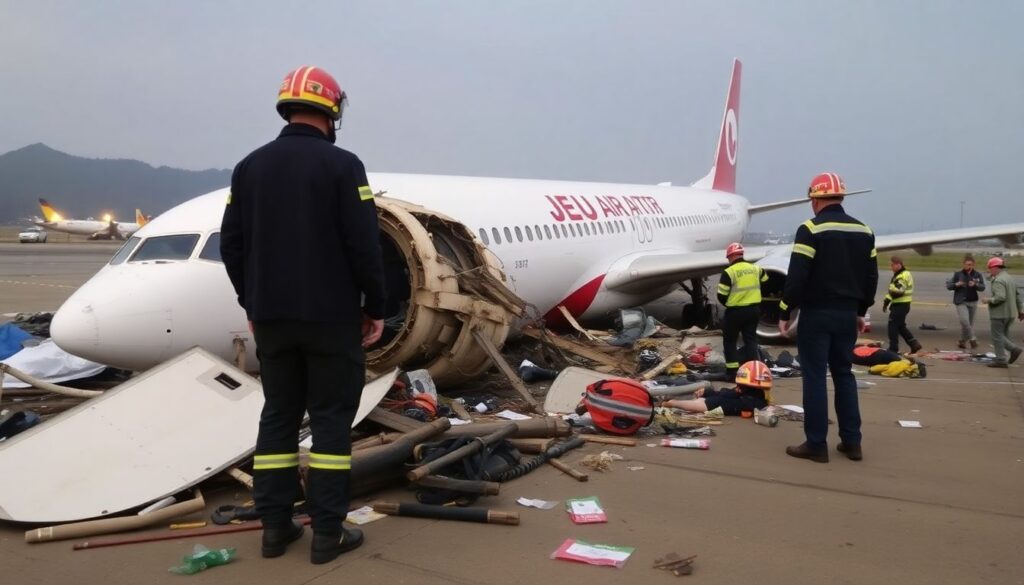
833 274
966 284
753 390
300 243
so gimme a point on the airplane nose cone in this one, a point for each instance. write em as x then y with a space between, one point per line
74 328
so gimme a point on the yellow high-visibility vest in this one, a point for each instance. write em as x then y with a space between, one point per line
902 282
745 289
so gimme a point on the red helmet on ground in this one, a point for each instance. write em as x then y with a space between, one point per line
996 261
311 87
734 249
826 185
754 374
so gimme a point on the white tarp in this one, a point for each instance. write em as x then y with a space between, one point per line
49 363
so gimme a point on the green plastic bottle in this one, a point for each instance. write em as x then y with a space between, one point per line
203 558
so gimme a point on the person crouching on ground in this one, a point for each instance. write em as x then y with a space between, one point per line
753 390
966 284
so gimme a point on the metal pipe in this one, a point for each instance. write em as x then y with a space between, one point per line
43 385
466 486
119 524
461 453
482 515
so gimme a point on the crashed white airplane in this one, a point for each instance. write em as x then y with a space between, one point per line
591 247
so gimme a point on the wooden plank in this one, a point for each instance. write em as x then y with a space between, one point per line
581 350
605 440
661 367
499 360
573 473
394 421
574 323
460 410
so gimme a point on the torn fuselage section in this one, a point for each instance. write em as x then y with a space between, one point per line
442 285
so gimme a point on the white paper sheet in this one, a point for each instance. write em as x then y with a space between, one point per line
510 415
540 504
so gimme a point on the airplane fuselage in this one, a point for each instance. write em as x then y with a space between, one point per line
88 227
556 241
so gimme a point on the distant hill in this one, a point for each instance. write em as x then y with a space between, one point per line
82 187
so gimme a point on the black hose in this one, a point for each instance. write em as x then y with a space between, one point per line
553 452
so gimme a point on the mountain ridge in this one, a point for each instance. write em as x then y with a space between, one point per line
89 187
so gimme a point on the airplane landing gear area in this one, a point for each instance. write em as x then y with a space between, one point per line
699 311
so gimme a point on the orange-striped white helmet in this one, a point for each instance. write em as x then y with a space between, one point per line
754 374
734 249
826 185
311 87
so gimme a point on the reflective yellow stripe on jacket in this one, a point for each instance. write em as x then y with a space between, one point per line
746 284
901 288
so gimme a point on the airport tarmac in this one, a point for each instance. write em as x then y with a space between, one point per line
39 277
940 504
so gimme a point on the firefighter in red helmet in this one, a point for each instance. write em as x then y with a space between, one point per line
833 273
739 290
314 298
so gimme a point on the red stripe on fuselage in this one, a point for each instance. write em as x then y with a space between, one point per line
577 303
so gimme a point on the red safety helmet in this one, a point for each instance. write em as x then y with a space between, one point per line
734 249
996 261
314 88
826 185
754 374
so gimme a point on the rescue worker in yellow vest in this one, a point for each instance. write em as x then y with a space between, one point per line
897 302
739 289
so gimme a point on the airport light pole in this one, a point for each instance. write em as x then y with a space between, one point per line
962 213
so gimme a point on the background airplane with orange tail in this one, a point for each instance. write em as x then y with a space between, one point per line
106 228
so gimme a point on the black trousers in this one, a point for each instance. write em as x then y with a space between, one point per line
736 322
317 368
898 326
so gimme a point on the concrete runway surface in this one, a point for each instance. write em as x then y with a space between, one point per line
942 504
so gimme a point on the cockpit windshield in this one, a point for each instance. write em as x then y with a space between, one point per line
211 249
176 247
124 251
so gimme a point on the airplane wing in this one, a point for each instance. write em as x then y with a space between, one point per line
640 271
922 242
754 209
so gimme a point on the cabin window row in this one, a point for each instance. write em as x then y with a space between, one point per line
593 228
550 231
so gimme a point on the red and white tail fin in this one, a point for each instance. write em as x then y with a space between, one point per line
723 175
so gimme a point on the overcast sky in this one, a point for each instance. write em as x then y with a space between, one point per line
921 101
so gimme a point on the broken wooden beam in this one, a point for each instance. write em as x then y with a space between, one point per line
394 421
573 473
499 360
581 350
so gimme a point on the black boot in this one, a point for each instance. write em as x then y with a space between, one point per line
276 540
852 452
327 547
803 451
